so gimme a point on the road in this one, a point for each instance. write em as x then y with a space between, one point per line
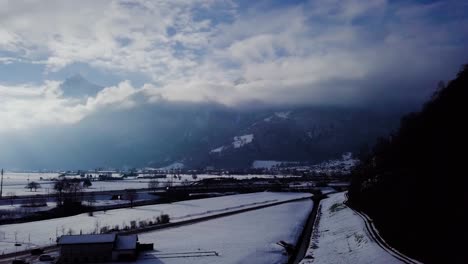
26 256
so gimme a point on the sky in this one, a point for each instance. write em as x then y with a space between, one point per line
234 53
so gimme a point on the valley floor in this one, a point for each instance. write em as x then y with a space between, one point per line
249 237
43 233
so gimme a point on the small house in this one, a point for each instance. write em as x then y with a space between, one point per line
97 248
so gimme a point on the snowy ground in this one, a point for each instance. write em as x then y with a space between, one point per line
14 183
45 232
248 237
343 165
341 237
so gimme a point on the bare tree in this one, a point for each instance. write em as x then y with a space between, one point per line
68 191
90 198
11 197
130 195
33 185
153 185
87 183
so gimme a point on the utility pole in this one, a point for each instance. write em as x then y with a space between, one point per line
1 185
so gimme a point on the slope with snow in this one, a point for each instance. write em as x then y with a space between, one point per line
340 236
278 115
265 164
249 237
41 233
173 166
217 150
240 141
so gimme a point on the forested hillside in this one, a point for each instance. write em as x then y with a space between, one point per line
413 183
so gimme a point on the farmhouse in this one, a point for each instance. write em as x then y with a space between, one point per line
97 248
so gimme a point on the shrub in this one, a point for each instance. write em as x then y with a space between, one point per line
164 218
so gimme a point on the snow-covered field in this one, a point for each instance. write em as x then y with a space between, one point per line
248 237
45 232
14 183
341 237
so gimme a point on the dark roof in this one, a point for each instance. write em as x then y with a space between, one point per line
86 239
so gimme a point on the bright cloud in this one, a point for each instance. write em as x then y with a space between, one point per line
29 106
319 52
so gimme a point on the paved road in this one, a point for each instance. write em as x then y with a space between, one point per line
30 258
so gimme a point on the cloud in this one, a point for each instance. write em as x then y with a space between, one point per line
313 52
29 106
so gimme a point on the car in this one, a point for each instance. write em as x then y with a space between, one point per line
46 257
37 251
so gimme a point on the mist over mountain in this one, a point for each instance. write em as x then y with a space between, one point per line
195 134
78 87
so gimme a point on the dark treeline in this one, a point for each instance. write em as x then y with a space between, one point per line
413 183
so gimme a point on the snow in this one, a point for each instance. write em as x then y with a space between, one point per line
265 164
45 232
327 190
280 115
240 141
283 115
15 182
173 166
343 165
248 237
341 237
217 150
18 211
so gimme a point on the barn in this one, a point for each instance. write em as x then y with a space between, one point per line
97 248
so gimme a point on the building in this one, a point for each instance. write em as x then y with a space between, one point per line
125 248
97 248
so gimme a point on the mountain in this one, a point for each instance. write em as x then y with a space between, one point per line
78 87
307 134
196 135
413 184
